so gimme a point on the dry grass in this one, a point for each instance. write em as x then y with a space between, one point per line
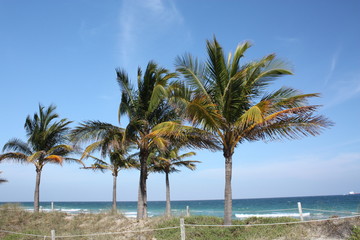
13 218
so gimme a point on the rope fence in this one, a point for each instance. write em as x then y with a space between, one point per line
182 226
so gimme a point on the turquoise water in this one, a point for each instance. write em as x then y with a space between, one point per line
313 207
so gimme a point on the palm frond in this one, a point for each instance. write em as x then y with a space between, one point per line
18 146
14 156
90 149
234 63
290 123
201 112
194 73
39 155
91 130
127 96
54 159
61 150
185 135
217 69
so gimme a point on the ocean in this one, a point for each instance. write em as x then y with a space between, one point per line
316 207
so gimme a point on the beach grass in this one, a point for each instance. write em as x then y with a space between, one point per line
14 218
241 232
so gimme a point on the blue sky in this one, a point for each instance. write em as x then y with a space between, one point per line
66 52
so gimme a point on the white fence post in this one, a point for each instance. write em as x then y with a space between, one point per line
187 211
300 211
182 229
52 206
52 234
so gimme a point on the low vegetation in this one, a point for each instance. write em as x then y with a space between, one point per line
15 219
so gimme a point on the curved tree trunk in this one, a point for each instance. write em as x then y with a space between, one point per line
142 194
168 206
37 190
228 191
114 207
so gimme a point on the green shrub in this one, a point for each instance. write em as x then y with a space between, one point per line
355 235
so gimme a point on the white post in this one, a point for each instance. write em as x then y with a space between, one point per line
187 211
182 229
52 234
300 211
52 206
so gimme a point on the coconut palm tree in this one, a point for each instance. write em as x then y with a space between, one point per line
152 121
168 162
109 140
46 143
145 108
2 180
229 100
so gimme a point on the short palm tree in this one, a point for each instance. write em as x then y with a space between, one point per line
109 140
168 162
229 100
152 121
46 143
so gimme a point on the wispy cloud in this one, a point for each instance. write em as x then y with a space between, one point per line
288 39
333 64
143 21
344 89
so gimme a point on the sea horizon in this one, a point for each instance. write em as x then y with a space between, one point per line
188 200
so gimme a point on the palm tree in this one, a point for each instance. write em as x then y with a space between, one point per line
109 140
168 162
46 143
229 100
145 108
152 121
2 180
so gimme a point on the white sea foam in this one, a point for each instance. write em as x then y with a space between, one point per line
72 210
130 214
272 215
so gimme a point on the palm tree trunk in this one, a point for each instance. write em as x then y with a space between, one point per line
228 191
114 207
142 193
168 207
37 190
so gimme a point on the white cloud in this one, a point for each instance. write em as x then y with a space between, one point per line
333 64
288 39
143 21
343 90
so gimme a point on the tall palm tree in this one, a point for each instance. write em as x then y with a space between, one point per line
46 143
145 108
168 162
229 100
152 121
2 180
109 140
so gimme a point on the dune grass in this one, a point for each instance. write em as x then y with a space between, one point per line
13 218
221 232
